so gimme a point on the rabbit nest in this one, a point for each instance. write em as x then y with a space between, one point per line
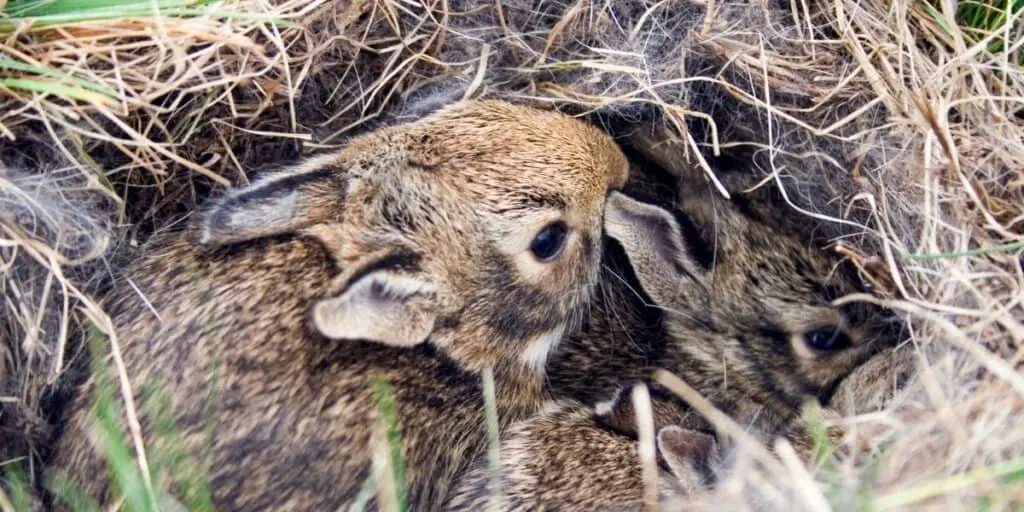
881 116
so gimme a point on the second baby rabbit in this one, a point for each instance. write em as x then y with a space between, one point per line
731 295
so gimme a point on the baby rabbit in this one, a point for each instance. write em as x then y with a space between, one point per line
421 254
731 296
574 457
742 305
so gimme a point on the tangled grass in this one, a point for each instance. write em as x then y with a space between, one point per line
900 122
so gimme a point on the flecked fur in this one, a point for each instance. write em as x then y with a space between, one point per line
438 216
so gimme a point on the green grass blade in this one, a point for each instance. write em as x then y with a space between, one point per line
135 10
44 71
35 8
493 438
939 18
190 476
64 91
124 473
1015 246
67 492
823 451
18 489
389 412
824 455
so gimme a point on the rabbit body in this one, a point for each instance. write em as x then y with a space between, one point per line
419 254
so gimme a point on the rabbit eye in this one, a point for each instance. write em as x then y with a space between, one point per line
550 241
828 339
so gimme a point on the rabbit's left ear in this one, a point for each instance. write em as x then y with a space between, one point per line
283 202
687 452
386 299
679 445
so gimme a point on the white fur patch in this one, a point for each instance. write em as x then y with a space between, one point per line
314 163
535 357
605 407
272 213
551 407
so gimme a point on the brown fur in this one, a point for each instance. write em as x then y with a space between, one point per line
729 290
574 457
290 295
536 475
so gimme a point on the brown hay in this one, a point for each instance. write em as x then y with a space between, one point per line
868 114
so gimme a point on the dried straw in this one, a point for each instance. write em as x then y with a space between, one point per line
882 119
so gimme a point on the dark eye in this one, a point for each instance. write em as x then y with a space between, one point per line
548 243
828 339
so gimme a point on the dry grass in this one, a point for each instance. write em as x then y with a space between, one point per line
882 116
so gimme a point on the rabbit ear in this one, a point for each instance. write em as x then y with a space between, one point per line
282 202
678 444
653 242
685 451
386 300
